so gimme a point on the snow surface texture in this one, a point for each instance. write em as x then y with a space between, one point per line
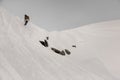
94 57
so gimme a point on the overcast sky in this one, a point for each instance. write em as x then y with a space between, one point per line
64 14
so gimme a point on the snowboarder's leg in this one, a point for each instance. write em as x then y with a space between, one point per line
26 22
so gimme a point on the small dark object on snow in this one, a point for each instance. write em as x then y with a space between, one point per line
62 52
43 43
57 51
47 38
26 19
74 46
46 43
67 51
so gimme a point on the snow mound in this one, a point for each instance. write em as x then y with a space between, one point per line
22 57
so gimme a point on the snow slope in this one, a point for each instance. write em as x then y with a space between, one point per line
22 57
97 44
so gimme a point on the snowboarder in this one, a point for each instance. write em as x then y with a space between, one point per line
26 19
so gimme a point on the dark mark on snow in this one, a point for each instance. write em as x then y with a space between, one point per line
44 43
63 52
58 51
67 51
47 38
74 46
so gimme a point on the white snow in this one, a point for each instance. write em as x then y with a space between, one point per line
22 57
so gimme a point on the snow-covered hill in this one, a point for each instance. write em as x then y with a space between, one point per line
23 57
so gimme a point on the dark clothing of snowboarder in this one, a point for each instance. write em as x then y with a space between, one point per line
26 19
